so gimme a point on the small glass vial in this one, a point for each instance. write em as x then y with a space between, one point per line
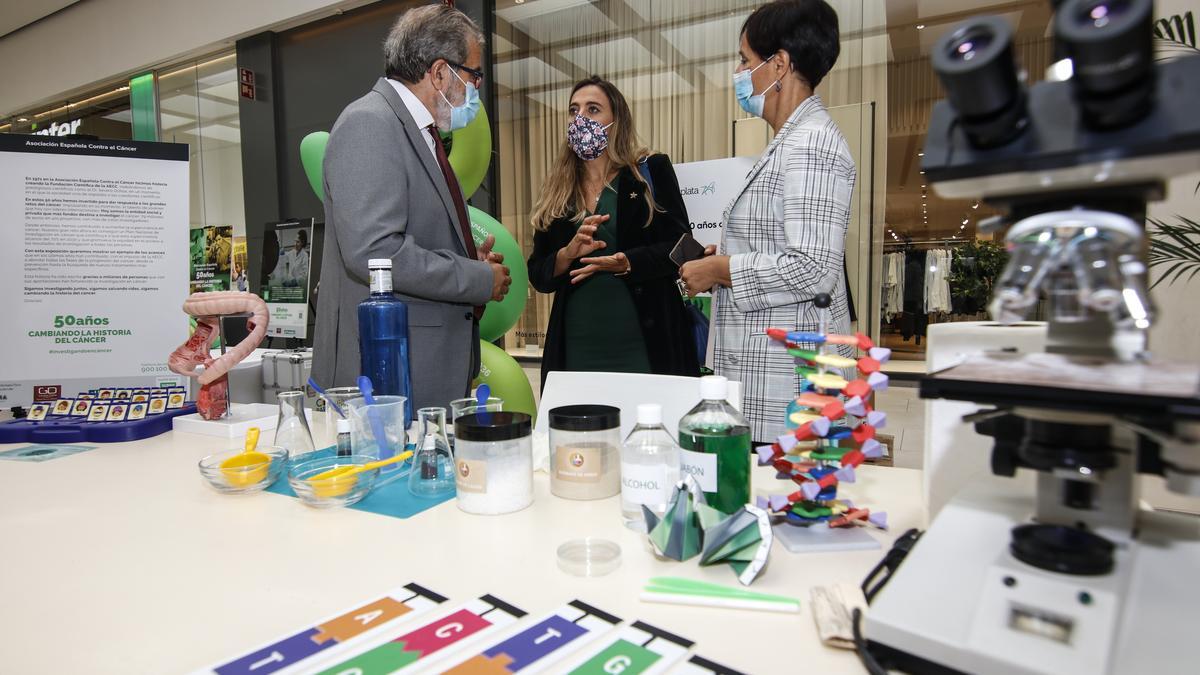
649 467
343 438
585 443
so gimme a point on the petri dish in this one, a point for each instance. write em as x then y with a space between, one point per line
589 557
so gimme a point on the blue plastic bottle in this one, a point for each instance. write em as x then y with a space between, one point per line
383 337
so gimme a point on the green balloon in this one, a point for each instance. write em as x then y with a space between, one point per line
471 153
503 374
312 154
500 317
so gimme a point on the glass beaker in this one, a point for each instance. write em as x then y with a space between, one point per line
339 396
291 430
433 467
471 405
378 431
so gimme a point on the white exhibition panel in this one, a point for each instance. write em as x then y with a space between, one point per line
93 259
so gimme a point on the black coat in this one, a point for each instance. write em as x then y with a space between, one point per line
666 325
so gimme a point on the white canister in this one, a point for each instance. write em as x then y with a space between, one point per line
493 462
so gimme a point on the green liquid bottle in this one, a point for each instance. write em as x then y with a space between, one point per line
716 447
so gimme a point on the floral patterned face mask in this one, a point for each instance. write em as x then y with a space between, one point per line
587 137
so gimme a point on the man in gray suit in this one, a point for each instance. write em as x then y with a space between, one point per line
390 193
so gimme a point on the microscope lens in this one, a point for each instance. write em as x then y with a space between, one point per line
1096 273
1110 43
975 64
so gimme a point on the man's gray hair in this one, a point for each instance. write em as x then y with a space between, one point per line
425 34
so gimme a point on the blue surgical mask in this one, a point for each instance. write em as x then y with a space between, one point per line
743 89
462 115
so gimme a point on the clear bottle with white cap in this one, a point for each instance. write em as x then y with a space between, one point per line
715 442
649 467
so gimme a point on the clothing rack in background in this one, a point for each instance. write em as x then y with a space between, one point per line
925 242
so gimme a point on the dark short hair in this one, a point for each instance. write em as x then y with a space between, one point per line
806 29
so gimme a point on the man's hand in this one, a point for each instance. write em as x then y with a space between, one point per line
703 274
615 264
500 280
485 250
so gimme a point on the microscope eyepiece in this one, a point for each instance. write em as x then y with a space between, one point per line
1110 44
975 64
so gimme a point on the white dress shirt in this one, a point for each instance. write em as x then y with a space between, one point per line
419 112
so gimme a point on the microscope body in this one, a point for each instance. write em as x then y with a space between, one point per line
1075 578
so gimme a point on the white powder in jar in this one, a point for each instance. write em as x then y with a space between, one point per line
507 483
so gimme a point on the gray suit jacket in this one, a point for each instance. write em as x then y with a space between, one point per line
385 197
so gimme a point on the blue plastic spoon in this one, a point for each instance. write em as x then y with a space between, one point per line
482 394
321 392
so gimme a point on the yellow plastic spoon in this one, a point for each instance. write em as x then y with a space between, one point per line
341 479
247 467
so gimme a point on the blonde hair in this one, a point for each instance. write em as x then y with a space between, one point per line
562 193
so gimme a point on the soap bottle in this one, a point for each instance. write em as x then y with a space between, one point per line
716 447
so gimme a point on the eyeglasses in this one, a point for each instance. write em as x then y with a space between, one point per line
476 75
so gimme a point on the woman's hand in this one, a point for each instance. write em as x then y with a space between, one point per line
703 274
583 243
616 263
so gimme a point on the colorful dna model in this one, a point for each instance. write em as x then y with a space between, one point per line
815 454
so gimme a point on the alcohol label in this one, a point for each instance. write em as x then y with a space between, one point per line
578 464
702 466
644 484
470 475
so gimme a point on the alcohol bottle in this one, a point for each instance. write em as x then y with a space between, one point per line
383 337
716 447
649 467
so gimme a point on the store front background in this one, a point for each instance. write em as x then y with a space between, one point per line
673 59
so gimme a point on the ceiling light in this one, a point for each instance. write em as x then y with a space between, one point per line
22 119
964 222
920 154
920 26
922 172
975 205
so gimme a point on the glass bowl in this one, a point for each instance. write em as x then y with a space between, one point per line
245 478
331 492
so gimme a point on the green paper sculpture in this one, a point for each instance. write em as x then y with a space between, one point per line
503 374
500 317
690 527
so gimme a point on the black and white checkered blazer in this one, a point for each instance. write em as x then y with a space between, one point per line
785 234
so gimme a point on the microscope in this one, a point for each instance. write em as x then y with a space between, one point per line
1077 577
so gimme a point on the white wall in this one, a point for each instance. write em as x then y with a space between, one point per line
93 42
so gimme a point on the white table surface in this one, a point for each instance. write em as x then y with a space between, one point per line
121 560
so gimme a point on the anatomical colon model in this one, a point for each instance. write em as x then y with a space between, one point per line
213 401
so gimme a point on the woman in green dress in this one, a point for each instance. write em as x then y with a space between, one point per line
607 218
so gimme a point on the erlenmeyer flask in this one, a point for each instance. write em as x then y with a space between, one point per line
433 467
291 431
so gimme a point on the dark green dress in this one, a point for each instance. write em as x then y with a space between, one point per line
602 328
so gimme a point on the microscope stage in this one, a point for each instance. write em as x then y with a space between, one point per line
1071 383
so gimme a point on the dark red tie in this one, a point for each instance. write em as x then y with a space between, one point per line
464 223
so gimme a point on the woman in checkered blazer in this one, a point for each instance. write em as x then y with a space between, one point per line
785 232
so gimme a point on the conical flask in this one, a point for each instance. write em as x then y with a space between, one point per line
291 431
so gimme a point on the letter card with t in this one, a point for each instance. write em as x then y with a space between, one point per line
639 649
302 650
411 649
537 646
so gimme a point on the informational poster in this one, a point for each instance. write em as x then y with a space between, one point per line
93 261
239 265
287 252
211 255
708 188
